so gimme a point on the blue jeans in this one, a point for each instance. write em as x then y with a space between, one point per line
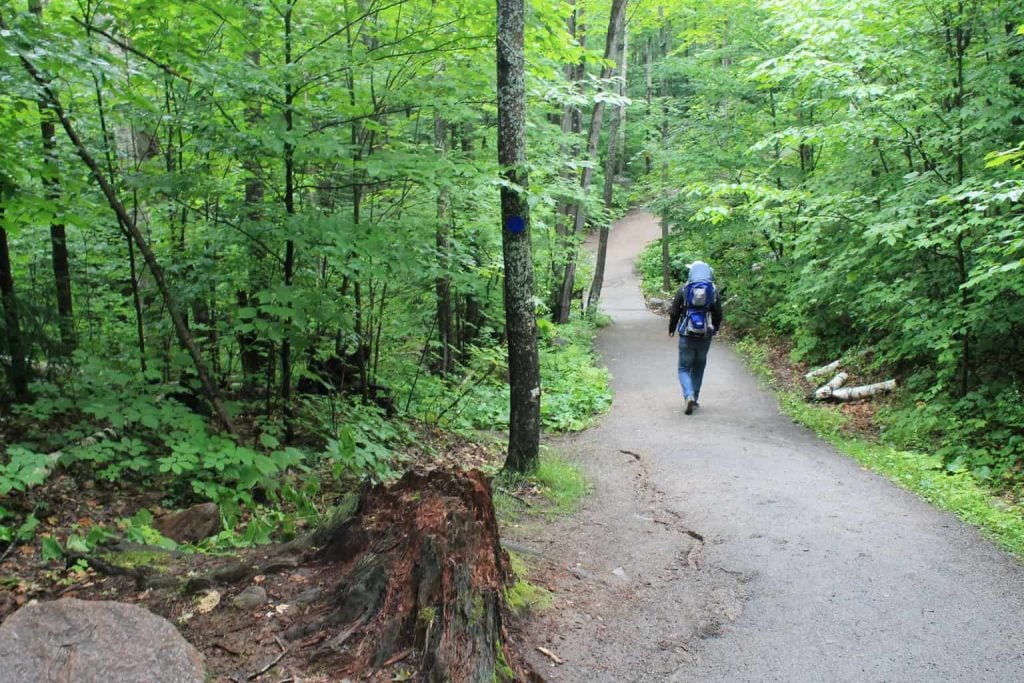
693 356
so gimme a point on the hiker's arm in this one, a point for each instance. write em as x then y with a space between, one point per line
717 314
674 312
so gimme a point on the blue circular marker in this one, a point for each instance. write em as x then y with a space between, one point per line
515 224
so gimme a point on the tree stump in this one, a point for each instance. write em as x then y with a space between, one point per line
422 579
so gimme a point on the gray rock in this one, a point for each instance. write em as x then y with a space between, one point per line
251 598
94 640
191 525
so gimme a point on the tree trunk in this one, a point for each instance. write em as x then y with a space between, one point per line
824 369
572 125
648 97
423 579
443 284
825 390
58 235
254 353
170 301
289 209
867 391
579 212
520 323
666 267
610 164
17 374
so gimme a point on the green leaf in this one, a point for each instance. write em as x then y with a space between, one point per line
51 549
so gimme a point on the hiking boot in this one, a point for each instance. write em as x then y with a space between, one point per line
690 405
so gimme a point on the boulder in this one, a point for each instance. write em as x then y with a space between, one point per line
94 640
191 525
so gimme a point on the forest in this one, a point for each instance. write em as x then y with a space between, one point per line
253 252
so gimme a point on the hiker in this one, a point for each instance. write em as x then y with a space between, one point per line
697 315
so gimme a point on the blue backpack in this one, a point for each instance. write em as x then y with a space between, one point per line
698 299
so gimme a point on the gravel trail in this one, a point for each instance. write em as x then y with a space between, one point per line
733 545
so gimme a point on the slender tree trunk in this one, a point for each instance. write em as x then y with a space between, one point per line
666 267
609 171
579 212
443 284
572 125
289 209
649 98
170 301
520 323
18 371
58 235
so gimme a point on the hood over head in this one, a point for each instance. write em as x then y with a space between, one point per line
700 272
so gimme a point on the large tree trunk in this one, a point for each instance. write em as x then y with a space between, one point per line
422 579
611 161
520 323
579 212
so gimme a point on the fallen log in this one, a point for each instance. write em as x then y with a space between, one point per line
825 391
866 391
823 370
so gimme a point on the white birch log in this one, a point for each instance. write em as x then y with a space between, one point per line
866 391
824 369
825 390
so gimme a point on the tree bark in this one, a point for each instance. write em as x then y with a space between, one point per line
579 211
825 390
866 391
17 373
610 164
443 284
289 209
170 301
572 125
823 370
254 352
666 267
520 323
423 573
58 234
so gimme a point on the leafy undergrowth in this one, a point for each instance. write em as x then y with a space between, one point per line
854 429
575 387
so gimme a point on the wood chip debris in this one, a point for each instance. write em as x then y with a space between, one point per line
549 654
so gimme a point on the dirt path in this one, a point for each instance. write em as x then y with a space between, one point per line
732 545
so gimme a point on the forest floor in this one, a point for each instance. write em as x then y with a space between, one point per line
233 606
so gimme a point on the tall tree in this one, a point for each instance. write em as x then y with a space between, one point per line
610 166
520 322
17 373
579 211
58 233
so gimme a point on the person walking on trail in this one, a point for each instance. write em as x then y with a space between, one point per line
696 314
